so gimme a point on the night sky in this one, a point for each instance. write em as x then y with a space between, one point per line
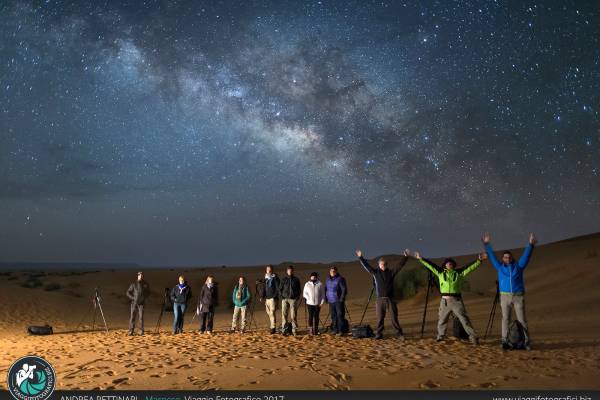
222 133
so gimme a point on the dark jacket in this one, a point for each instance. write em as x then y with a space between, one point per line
335 289
289 287
383 280
138 292
269 288
208 297
181 296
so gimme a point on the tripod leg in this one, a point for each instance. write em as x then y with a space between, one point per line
102 314
366 306
252 315
162 310
426 303
83 317
490 323
325 328
95 311
347 313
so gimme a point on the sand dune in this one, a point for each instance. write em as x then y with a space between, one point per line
563 307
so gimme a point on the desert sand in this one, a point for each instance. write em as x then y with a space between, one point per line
563 306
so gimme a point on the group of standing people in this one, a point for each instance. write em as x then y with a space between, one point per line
287 292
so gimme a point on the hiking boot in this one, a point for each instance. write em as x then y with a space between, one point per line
130 333
474 341
528 346
294 333
142 333
273 331
209 333
400 337
439 339
505 345
378 337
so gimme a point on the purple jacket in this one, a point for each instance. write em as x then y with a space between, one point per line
335 289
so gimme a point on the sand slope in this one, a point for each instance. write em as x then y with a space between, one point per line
563 308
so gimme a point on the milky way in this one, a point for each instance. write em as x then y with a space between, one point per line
208 133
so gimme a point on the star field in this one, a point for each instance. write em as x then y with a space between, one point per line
212 133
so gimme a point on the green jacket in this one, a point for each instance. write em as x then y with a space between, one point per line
244 299
450 280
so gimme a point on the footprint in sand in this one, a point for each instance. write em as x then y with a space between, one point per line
429 385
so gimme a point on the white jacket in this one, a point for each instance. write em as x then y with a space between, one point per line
314 293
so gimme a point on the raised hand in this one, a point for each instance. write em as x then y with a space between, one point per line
532 239
417 255
486 238
359 253
406 252
482 256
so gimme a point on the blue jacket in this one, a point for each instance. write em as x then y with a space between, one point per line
510 276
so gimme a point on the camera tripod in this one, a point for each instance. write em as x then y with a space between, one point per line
162 309
430 286
490 323
327 328
253 306
96 305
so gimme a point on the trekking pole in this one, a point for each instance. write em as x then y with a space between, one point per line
429 279
366 306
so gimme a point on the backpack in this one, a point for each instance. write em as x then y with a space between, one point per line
516 335
40 330
362 331
287 328
458 331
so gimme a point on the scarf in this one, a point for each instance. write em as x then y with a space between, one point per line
269 276
181 286
210 285
238 295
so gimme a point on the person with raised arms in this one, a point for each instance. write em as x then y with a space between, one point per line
511 285
383 279
451 280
